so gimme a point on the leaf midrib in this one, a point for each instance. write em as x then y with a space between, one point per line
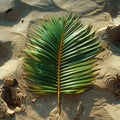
59 71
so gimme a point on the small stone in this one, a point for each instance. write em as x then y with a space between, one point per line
18 109
10 112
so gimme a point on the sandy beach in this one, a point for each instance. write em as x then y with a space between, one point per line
102 101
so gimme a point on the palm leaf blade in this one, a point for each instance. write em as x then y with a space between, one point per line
61 57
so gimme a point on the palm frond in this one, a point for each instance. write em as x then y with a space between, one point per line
61 57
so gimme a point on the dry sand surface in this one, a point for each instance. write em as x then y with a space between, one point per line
99 103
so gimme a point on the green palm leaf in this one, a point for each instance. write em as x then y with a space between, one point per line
61 57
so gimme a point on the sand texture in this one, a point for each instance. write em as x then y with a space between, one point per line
102 102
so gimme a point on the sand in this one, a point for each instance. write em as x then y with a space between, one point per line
99 103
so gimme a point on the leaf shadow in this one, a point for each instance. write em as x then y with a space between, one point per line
86 106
